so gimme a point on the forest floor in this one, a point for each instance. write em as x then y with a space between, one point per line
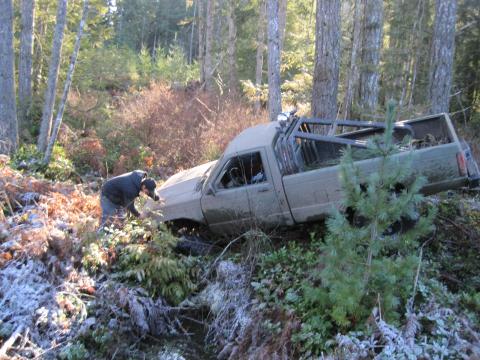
56 302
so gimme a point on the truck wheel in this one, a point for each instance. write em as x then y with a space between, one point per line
195 245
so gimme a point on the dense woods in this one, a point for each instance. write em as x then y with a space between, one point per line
90 89
333 59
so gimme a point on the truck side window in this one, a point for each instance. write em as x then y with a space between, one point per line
242 170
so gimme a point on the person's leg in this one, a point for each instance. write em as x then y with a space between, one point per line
109 210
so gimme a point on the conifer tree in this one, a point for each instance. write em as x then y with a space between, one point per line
368 263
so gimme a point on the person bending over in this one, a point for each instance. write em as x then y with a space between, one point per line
120 192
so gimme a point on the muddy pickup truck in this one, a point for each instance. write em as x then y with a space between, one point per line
284 172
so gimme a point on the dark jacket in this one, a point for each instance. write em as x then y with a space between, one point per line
123 189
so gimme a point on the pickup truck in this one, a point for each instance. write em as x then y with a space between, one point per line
286 172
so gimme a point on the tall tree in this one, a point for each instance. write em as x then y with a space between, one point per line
274 94
54 66
327 59
190 48
260 52
68 82
201 38
232 47
372 43
25 62
41 28
416 40
208 60
441 60
8 110
352 77
282 22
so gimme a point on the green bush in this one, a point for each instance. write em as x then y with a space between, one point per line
143 253
28 158
115 68
172 66
75 351
108 68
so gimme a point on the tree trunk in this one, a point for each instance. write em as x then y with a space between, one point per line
25 63
417 41
274 94
39 30
327 59
208 65
190 49
282 22
68 82
8 111
46 125
260 51
441 61
372 43
201 39
232 48
352 77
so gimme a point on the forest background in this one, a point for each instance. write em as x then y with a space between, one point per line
197 72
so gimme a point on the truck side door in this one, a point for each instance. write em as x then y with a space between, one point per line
263 199
225 201
242 195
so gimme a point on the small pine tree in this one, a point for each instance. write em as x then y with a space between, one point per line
371 263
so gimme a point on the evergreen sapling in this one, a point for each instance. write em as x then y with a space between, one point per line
370 263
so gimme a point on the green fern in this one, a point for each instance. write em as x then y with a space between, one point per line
151 261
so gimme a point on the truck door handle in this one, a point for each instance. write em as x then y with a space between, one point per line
262 190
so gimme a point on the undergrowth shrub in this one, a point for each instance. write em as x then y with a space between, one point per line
28 158
119 69
88 154
152 262
177 128
106 68
455 248
143 252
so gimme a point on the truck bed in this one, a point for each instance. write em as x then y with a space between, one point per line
312 186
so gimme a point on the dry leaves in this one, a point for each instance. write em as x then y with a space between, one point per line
43 215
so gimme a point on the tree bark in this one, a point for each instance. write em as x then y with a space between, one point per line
232 47
40 29
352 78
441 60
25 62
282 22
46 125
208 64
201 39
8 111
190 49
68 82
260 52
274 94
327 59
372 43
418 29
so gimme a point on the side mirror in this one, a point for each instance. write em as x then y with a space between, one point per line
210 190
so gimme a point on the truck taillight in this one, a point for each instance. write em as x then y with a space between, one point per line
462 163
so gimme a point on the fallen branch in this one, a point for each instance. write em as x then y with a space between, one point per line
11 340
